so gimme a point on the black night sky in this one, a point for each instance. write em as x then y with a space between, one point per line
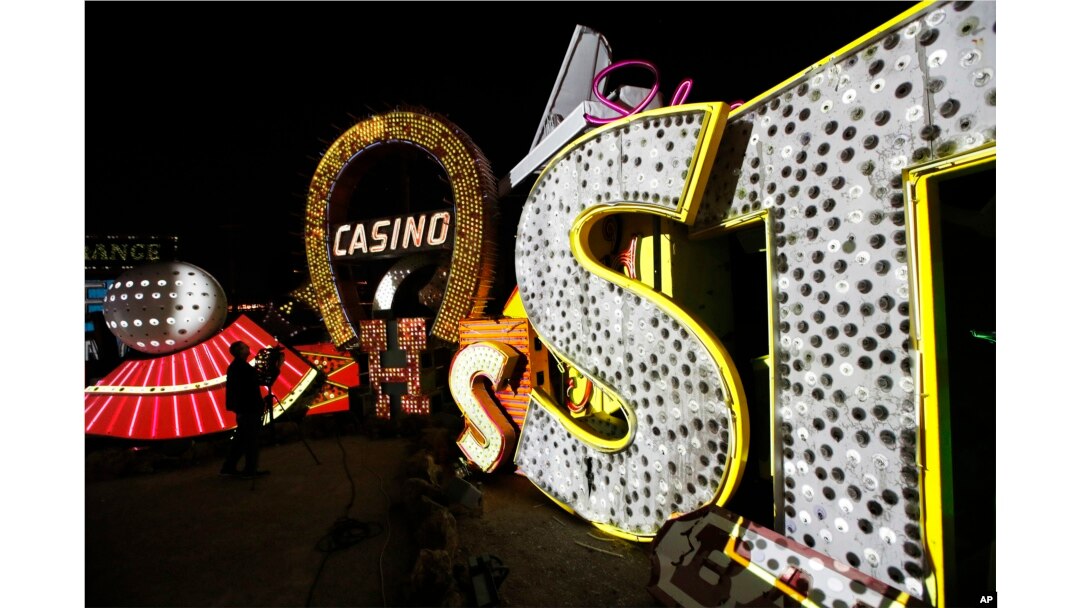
207 123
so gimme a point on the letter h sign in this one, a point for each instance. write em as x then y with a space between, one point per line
411 338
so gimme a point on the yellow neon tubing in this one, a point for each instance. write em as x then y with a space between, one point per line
924 342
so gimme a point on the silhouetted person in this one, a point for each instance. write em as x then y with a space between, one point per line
243 398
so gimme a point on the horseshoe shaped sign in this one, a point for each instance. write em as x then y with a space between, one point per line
351 207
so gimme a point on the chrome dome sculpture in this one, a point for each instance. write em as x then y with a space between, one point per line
165 307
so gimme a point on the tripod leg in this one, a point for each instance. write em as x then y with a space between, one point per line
300 430
270 412
310 451
299 427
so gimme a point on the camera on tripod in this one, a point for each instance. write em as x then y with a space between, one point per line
268 363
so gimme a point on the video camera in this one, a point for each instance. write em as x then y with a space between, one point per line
268 363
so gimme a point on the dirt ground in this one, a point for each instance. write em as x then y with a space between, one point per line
554 558
366 525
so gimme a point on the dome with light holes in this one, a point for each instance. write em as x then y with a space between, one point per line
165 307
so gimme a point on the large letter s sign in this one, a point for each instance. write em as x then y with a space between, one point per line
487 432
684 444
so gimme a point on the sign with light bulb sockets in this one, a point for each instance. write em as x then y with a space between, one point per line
809 448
